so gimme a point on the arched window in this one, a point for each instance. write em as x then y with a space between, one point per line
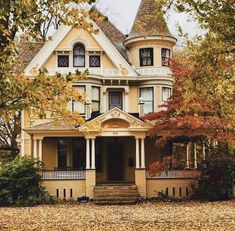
79 56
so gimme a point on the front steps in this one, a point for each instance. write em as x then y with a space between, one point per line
116 194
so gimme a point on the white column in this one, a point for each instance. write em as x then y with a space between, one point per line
35 150
142 153
93 154
195 155
137 153
88 164
187 155
40 150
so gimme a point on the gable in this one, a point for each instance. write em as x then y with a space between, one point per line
115 119
61 39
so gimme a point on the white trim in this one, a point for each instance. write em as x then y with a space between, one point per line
111 51
47 49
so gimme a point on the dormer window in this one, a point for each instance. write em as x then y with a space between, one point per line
146 57
166 54
79 55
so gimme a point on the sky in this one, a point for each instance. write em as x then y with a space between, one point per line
122 13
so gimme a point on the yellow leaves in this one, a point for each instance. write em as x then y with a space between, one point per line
185 216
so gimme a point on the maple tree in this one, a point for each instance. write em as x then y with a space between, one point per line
23 20
203 100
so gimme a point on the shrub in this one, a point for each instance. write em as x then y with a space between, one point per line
217 174
20 182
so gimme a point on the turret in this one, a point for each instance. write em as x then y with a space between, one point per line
150 42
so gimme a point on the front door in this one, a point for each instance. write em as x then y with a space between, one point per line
115 162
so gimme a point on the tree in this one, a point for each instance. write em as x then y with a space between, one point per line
203 99
22 20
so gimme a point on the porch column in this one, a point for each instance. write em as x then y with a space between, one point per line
142 154
40 149
137 153
187 155
93 154
88 164
35 151
195 154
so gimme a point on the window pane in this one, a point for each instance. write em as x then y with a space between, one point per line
63 61
95 93
115 100
166 53
78 61
166 93
94 61
147 95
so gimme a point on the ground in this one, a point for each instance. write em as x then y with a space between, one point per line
191 216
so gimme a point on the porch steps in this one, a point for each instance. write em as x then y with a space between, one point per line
116 194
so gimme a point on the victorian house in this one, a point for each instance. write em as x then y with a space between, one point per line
128 77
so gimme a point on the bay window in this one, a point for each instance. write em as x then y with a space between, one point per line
147 96
95 99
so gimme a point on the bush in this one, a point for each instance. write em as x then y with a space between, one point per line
20 182
217 174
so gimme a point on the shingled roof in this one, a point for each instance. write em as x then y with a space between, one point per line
149 21
113 34
28 50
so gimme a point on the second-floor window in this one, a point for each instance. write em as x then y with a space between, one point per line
95 99
166 93
79 55
146 94
77 106
166 54
115 99
146 57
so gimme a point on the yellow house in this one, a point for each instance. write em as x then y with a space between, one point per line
128 77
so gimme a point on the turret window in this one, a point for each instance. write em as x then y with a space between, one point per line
146 57
166 54
79 56
166 93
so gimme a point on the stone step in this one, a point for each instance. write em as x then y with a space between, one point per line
116 194
113 202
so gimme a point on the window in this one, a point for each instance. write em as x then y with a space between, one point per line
94 61
62 154
95 99
63 61
146 57
166 93
166 54
115 99
79 56
147 95
77 106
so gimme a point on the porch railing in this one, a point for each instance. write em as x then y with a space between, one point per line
63 175
175 174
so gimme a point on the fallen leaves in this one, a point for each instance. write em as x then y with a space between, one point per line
148 216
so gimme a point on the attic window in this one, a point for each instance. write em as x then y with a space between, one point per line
79 56
94 60
146 57
63 61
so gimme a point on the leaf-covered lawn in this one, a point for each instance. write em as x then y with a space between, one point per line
148 216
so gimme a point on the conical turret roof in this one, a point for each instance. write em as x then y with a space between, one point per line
149 21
